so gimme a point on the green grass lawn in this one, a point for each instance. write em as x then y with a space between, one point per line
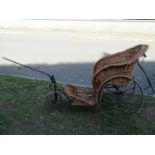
22 112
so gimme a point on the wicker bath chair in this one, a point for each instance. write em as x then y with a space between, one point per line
114 86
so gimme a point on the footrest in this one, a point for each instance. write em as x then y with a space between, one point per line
80 95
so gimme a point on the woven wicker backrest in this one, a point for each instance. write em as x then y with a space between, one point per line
120 63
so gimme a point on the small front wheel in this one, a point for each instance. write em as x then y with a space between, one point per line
52 101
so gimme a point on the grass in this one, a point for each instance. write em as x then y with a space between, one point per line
22 113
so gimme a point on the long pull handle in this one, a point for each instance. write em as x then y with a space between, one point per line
37 70
52 78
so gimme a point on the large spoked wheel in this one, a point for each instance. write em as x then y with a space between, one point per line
119 98
51 102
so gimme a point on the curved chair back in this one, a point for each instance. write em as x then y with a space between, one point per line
118 64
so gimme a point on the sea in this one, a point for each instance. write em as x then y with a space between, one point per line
69 48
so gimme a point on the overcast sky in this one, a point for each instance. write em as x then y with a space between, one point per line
75 9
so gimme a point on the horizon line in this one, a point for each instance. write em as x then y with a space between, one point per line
97 20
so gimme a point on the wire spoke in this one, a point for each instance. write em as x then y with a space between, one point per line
119 101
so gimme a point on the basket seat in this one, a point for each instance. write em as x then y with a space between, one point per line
118 64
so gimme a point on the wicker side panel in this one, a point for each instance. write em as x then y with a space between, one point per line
112 59
80 95
107 73
69 90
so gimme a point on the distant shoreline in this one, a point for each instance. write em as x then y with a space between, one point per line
96 20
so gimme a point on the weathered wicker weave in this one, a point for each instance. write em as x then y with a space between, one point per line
121 63
80 95
118 64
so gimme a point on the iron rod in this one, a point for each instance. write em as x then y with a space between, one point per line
37 70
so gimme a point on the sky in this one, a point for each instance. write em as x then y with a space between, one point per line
75 9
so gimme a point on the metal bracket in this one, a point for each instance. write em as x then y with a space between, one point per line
148 80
